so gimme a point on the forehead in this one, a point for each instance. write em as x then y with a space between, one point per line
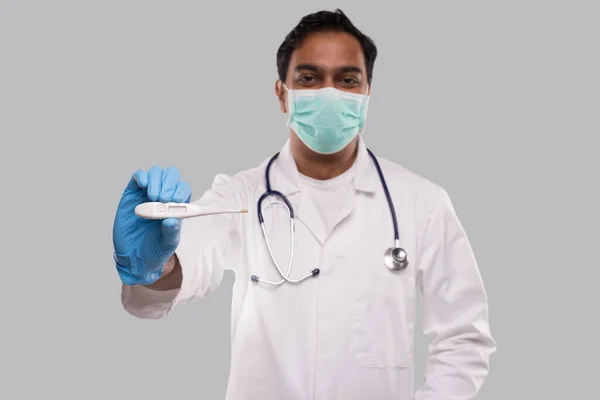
329 49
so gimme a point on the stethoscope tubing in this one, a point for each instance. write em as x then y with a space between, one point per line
270 192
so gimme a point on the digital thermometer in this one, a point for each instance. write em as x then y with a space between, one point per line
158 210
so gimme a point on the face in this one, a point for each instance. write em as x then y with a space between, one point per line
326 59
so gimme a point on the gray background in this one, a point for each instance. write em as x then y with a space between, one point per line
497 101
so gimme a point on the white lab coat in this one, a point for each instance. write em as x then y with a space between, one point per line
348 333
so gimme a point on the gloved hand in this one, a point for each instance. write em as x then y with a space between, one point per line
142 247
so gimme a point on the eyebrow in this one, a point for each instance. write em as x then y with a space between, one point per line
349 68
314 68
309 67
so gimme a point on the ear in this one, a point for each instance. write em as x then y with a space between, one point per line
281 94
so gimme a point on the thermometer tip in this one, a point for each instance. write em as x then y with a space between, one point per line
244 211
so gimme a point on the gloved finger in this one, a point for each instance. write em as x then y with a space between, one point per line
183 193
170 232
154 182
139 180
170 179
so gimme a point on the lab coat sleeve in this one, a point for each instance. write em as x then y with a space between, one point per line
208 246
455 309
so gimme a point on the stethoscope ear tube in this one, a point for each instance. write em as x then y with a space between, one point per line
314 272
276 194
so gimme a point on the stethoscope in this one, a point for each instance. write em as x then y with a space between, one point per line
394 258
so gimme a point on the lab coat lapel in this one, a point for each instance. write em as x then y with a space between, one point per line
287 181
310 216
363 182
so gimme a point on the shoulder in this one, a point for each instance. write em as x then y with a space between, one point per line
244 180
424 191
239 184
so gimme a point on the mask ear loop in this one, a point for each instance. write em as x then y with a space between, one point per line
365 110
289 105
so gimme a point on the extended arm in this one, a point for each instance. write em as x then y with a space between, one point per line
208 246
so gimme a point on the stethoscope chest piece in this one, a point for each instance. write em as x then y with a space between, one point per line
395 259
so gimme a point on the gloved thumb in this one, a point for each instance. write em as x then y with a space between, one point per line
170 233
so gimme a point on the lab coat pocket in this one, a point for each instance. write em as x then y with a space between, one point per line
383 321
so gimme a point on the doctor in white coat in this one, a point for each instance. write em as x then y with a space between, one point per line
338 324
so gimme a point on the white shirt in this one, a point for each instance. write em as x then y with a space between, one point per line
346 334
329 195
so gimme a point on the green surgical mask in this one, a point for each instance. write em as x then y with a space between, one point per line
326 120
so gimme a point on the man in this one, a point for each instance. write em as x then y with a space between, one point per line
337 324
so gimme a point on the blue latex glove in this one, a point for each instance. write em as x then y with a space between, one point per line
142 247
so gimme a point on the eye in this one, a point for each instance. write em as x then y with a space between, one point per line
350 81
306 79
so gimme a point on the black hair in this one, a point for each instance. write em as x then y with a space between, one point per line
319 22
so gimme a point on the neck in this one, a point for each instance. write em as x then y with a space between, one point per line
322 166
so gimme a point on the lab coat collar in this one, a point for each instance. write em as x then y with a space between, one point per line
365 178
